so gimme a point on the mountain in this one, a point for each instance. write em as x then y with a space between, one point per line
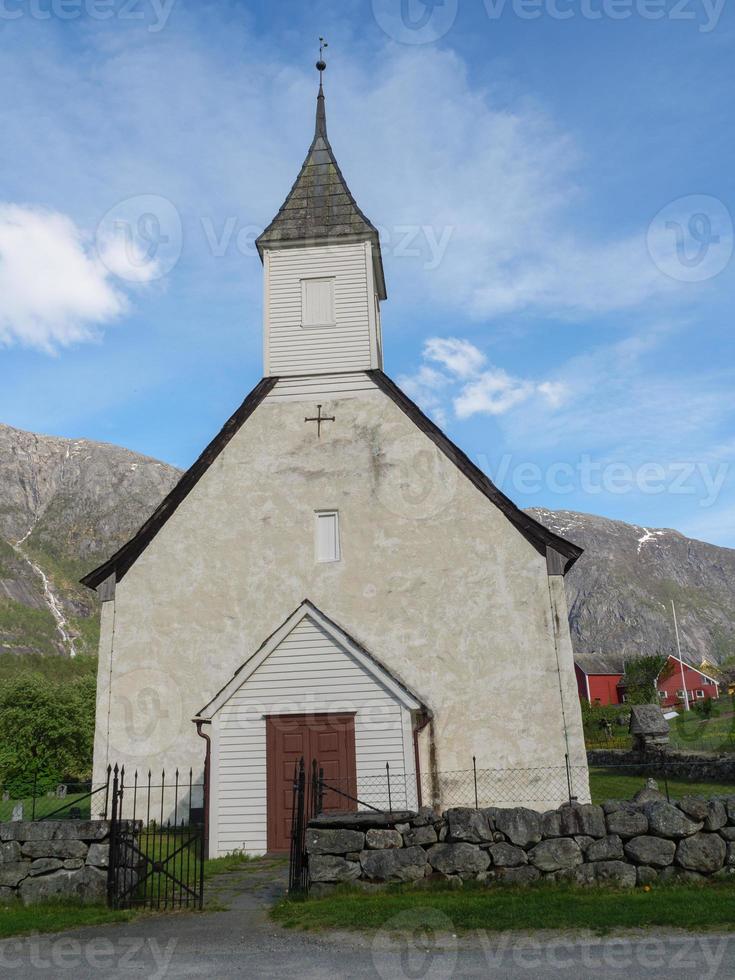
65 505
620 590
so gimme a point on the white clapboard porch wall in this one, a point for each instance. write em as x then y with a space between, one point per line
308 671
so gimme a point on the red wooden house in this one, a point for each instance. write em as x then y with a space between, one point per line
601 680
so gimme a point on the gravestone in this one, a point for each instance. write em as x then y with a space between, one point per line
6 796
61 791
17 813
649 728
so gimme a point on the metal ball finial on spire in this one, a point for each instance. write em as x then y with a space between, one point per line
321 65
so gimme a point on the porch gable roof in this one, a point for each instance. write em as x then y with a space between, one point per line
361 656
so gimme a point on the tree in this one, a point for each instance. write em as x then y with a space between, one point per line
641 676
724 673
46 732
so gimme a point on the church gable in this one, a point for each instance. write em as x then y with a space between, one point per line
308 389
309 648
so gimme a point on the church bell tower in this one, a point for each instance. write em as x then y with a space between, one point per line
323 272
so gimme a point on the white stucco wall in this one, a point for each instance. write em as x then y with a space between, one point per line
434 581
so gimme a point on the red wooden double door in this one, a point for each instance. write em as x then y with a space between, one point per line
328 738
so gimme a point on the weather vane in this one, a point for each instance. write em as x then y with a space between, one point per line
321 64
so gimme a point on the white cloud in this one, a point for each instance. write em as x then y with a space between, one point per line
54 291
493 393
459 357
469 386
502 179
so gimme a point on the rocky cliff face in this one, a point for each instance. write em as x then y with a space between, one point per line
64 506
620 590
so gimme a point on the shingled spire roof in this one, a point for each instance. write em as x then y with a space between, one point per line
320 207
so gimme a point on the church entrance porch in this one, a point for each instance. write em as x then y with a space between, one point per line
290 738
310 691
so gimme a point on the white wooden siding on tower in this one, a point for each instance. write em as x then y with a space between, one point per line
312 387
308 672
351 343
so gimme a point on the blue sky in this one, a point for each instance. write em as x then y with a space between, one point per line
553 180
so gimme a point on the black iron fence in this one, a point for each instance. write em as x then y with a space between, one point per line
157 841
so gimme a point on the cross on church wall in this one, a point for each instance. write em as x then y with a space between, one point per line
319 418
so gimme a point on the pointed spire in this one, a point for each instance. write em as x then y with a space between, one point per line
321 111
320 206
321 115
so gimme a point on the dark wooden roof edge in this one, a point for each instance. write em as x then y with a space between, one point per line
535 532
125 557
313 607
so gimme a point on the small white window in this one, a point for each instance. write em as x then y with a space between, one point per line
317 302
700 694
327 535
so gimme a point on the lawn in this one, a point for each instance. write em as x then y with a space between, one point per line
17 919
500 909
690 731
225 865
615 784
50 804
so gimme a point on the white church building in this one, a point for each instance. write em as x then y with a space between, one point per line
333 578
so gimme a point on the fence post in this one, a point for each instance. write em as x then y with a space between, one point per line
113 858
387 774
474 774
107 791
320 797
569 777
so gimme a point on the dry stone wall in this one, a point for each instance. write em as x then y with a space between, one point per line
54 860
621 843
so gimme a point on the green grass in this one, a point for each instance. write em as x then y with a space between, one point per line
62 670
500 909
225 865
46 805
17 919
612 784
689 732
25 627
692 731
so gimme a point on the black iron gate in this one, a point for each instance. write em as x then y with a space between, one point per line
309 792
306 804
157 843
